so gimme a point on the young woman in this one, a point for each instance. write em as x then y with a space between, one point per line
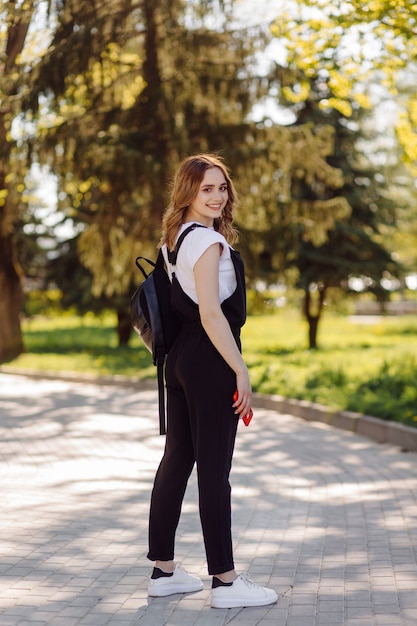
204 369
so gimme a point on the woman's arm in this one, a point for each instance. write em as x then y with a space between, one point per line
206 274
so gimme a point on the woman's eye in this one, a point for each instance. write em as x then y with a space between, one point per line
210 189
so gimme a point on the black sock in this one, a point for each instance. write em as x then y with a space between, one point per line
158 573
219 583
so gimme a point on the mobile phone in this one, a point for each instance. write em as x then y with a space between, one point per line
246 418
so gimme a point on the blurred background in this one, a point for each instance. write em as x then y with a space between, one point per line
312 103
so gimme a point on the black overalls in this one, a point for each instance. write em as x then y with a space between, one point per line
201 429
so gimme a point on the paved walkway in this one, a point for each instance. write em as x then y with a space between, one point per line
327 518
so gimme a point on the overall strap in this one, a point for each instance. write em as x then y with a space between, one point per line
172 255
160 365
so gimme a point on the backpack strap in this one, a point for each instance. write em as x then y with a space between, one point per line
160 368
172 254
159 356
139 265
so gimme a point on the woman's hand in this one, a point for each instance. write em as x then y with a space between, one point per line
243 402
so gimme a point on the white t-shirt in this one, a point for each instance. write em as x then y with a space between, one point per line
193 246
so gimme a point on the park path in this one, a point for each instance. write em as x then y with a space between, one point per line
326 517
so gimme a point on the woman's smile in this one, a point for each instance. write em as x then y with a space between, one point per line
211 198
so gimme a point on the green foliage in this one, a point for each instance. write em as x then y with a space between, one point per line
337 375
262 302
86 344
43 302
369 368
137 89
274 214
348 45
390 392
110 100
352 247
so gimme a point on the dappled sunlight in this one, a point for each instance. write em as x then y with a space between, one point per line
317 512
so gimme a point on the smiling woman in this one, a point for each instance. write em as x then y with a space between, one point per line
208 293
211 198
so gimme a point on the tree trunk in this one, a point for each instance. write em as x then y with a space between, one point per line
155 111
313 323
11 298
312 311
124 326
18 19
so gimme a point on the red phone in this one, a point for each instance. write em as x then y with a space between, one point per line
246 418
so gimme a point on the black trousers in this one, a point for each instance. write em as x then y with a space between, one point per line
201 429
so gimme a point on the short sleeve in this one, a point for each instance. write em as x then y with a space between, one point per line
193 246
197 242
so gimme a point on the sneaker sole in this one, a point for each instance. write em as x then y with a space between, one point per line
236 604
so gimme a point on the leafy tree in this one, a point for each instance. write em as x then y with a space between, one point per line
137 89
324 85
75 283
122 93
34 241
15 19
353 247
195 89
272 210
348 44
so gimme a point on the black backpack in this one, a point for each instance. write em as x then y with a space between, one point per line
152 316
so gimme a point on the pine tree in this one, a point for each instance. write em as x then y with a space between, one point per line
353 247
130 92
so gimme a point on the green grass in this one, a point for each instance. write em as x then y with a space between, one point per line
85 344
369 368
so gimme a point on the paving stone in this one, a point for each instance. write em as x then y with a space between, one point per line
324 516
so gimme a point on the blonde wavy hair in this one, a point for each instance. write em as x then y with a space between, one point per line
185 188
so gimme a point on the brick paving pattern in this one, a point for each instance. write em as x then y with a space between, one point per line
326 517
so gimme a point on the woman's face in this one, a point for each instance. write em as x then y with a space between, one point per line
211 198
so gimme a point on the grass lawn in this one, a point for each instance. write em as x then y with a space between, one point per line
361 365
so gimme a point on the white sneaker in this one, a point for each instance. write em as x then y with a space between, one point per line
242 592
179 582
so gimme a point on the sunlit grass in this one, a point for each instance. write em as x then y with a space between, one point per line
85 344
366 367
